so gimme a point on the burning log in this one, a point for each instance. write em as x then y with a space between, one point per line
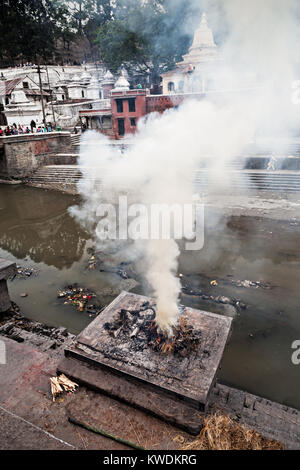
183 341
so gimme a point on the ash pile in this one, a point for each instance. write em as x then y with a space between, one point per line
138 329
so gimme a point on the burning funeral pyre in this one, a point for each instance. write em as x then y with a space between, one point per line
139 325
125 340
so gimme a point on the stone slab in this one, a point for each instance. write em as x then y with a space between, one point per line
7 268
273 420
189 378
5 302
19 434
139 395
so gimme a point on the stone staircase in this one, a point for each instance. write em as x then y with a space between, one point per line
291 147
66 177
262 180
59 177
75 142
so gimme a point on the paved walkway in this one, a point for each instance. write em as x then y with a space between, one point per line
29 418
17 433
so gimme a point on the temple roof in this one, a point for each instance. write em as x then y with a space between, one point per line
8 86
121 83
203 48
18 97
108 79
203 36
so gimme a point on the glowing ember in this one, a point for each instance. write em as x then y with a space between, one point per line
143 328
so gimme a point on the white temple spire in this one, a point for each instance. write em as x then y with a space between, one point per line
203 36
203 18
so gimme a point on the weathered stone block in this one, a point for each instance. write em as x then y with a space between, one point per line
7 269
23 154
189 377
4 297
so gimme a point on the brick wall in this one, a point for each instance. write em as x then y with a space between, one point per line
161 103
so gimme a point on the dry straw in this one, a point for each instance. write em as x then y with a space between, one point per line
220 432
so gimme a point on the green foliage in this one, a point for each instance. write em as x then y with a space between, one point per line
29 29
143 36
146 36
120 45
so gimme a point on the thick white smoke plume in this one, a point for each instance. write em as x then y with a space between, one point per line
259 64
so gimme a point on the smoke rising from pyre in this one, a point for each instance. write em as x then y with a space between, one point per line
260 54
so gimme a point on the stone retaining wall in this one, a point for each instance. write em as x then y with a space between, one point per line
21 155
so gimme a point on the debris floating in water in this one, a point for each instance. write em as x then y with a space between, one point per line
24 273
81 298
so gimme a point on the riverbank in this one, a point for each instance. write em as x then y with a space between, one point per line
37 232
27 408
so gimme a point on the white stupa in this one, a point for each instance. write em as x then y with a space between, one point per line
122 84
85 77
198 71
203 47
18 97
93 89
75 88
108 78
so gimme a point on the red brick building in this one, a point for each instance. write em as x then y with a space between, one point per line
127 107
118 116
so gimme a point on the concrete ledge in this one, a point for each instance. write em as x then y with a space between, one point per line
138 395
23 154
17 433
36 136
7 269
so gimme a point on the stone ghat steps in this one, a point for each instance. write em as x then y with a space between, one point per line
246 179
253 179
290 148
75 142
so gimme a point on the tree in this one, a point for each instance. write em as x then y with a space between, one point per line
144 37
30 29
85 17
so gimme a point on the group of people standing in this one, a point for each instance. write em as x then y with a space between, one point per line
22 129
14 130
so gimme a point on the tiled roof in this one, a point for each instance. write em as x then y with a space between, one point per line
28 91
75 101
8 86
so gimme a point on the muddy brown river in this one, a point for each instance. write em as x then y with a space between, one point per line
37 231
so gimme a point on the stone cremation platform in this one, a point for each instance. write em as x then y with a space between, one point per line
121 354
7 269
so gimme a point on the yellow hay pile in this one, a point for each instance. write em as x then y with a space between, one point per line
220 432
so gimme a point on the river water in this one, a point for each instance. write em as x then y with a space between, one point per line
36 230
